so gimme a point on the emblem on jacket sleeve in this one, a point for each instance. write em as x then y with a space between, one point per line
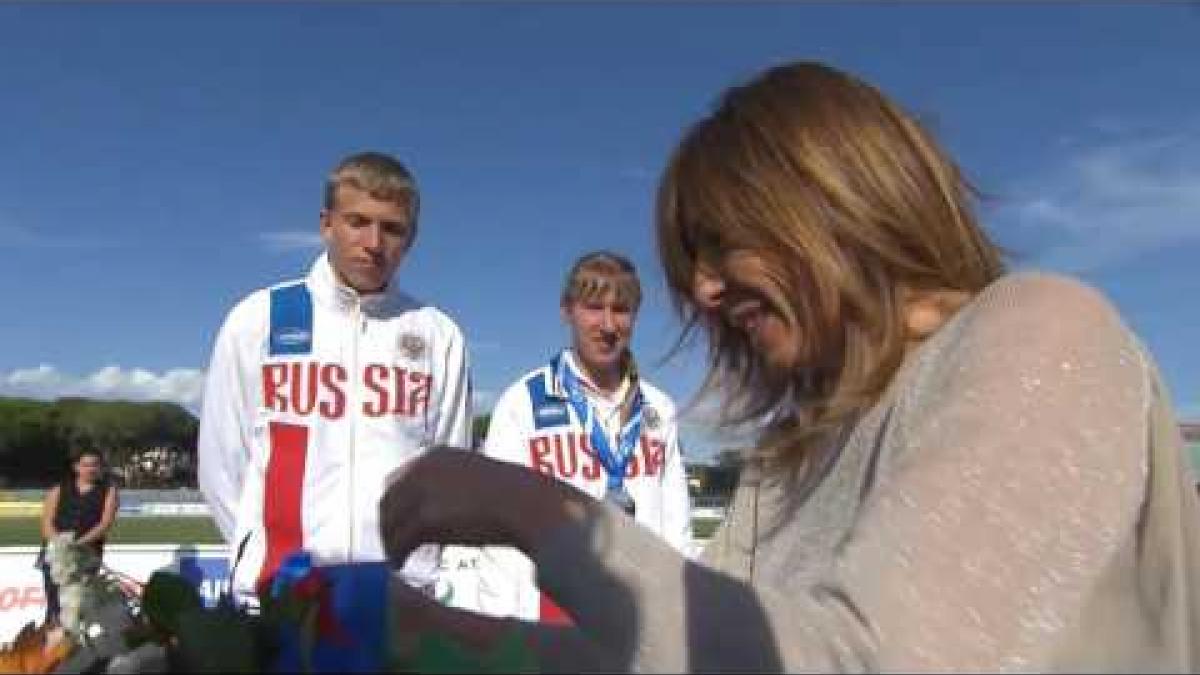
651 418
412 346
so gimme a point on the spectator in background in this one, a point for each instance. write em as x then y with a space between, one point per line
85 504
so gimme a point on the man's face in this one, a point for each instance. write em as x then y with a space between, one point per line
366 238
601 328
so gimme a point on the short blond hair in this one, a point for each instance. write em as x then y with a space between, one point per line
382 176
598 273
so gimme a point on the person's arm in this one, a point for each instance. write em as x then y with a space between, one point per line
49 508
677 504
224 438
453 407
510 573
507 436
1021 472
107 517
555 649
511 505
451 423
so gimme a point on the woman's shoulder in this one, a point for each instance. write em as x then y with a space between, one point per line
1039 310
1045 295
1026 327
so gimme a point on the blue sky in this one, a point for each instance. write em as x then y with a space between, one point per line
159 161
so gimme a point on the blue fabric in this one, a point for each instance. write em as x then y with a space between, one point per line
615 462
358 594
291 320
548 411
293 568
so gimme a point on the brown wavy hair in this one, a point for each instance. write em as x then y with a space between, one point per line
849 203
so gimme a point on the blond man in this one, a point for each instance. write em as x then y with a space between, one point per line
320 386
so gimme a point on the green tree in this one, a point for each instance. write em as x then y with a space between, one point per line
479 429
720 480
29 449
37 437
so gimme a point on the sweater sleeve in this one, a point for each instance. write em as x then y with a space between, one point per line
1019 471
677 504
452 425
506 576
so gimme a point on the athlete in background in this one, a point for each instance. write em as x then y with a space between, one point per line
319 387
587 418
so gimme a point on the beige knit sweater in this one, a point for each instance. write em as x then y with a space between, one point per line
1018 499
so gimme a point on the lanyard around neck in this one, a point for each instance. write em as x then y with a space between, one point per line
616 462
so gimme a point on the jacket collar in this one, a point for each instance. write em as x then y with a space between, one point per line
324 285
566 359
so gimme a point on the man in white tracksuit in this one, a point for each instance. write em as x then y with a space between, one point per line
319 387
588 419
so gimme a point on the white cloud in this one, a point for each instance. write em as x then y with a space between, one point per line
178 385
184 386
290 240
1111 201
14 237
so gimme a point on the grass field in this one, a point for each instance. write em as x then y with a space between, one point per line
23 530
703 528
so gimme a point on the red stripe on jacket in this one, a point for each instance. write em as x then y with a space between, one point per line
283 497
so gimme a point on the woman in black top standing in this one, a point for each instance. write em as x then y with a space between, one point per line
84 503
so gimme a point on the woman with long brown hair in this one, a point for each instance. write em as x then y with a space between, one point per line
959 468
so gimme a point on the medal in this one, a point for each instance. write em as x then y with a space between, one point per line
619 497
615 461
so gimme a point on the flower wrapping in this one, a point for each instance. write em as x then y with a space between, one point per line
337 616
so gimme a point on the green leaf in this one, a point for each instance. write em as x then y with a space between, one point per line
215 642
512 655
165 597
285 609
139 634
308 637
438 654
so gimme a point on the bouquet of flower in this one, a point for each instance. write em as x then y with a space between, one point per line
33 651
95 612
310 618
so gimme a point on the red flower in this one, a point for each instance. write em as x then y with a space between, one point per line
312 586
315 587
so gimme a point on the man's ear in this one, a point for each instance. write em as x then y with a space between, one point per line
326 225
412 238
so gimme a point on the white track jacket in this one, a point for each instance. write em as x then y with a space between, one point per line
534 425
314 394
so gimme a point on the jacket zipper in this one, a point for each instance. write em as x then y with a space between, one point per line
353 511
